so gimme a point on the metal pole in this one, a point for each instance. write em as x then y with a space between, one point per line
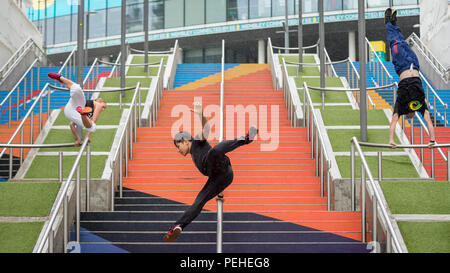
363 204
78 189
380 166
80 41
88 176
322 50
352 174
362 69
123 48
146 34
45 27
286 27
300 36
60 167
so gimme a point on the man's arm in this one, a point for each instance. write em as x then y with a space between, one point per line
205 125
392 130
427 118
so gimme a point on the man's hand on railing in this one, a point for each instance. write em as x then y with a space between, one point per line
431 143
392 143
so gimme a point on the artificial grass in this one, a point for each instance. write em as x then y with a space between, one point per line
101 140
19 237
129 82
417 197
114 96
306 71
140 71
392 166
352 117
340 139
47 166
294 58
316 96
426 237
32 199
110 116
151 59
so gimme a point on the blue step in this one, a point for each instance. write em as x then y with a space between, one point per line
187 73
59 98
141 227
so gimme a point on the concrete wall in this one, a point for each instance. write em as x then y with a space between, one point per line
435 28
15 29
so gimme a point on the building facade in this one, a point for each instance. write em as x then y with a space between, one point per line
199 25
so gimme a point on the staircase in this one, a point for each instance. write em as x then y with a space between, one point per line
273 204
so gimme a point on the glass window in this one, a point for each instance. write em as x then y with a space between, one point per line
278 8
309 6
216 11
73 29
194 12
193 56
135 16
173 13
377 3
260 8
156 14
114 22
97 24
62 32
331 5
213 55
350 4
49 35
404 2
237 10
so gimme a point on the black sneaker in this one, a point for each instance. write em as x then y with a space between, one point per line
387 15
252 132
172 234
394 18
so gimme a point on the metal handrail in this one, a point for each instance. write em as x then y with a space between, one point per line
426 52
62 200
296 48
30 111
392 239
316 64
130 125
144 64
27 45
116 66
291 97
328 62
317 144
336 89
221 127
155 100
152 52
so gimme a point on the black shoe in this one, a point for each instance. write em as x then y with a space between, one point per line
252 132
387 15
394 18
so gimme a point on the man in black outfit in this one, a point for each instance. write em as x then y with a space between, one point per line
211 162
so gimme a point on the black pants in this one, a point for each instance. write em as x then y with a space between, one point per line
220 176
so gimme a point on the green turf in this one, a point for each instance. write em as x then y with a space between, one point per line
316 96
19 237
110 116
417 197
393 166
306 71
426 237
40 166
101 140
27 198
340 139
352 117
114 96
129 82
151 59
140 71
294 58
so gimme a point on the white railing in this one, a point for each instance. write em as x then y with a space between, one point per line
221 128
65 69
29 44
46 242
437 66
318 149
171 68
293 104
